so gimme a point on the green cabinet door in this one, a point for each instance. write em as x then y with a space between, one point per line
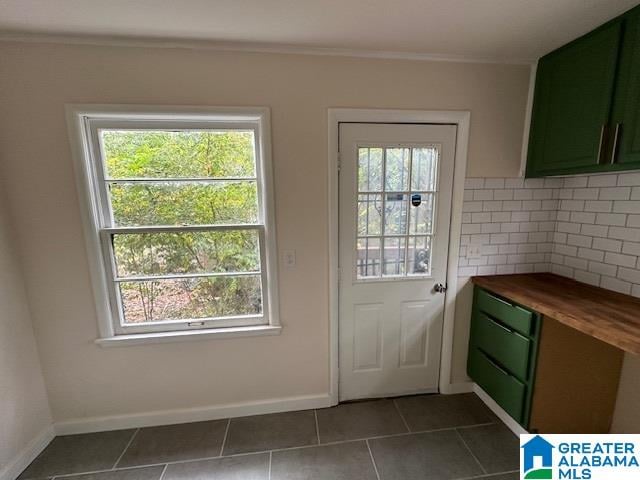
625 120
572 104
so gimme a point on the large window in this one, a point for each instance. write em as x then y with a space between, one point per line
180 210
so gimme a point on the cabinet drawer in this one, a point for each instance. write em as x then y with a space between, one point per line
513 316
505 345
506 390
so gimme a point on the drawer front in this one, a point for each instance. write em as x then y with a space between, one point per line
506 390
513 316
507 346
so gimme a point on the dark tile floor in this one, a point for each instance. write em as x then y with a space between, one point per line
426 437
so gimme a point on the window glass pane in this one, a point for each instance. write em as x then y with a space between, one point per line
370 169
369 214
423 168
421 215
396 175
140 254
190 298
166 154
395 214
393 256
368 258
180 203
419 256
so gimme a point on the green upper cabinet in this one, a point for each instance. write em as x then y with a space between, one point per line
625 119
586 108
572 104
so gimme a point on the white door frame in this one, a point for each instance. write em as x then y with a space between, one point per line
343 115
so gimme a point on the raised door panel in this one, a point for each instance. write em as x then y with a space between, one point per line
572 104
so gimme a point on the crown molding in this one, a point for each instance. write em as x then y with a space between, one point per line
248 47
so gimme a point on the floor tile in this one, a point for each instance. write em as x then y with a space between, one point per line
351 421
267 432
423 456
171 443
431 412
243 467
139 473
79 454
344 461
495 446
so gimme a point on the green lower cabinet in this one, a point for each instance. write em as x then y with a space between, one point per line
502 352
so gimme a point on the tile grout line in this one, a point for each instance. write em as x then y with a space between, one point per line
224 439
270 462
163 472
470 452
315 413
375 467
126 448
404 420
489 475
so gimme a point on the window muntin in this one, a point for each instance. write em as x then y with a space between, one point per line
182 222
396 204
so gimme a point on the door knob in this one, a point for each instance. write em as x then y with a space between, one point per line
439 288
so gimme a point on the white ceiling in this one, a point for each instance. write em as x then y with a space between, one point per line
510 30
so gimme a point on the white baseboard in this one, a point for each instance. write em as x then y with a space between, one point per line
514 426
460 387
27 454
186 415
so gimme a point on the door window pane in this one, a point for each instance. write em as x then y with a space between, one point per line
368 258
423 168
421 213
393 256
369 214
396 175
370 169
395 214
419 256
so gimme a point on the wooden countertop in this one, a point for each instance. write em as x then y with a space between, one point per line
611 317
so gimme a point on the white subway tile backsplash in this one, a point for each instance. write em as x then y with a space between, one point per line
602 181
586 193
586 227
629 179
494 183
615 193
603 206
616 285
607 244
611 219
620 259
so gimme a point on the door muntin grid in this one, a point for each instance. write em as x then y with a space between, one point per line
396 211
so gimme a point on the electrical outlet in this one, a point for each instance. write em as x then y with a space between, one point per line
473 251
289 258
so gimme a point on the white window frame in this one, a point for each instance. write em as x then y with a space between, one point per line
84 122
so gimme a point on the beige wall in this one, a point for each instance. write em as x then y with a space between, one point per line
36 81
24 410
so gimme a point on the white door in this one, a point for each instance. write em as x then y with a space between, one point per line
396 184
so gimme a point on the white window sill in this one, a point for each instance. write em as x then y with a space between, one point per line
182 336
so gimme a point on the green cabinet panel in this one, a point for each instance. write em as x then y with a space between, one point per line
508 347
505 389
625 119
513 316
572 104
